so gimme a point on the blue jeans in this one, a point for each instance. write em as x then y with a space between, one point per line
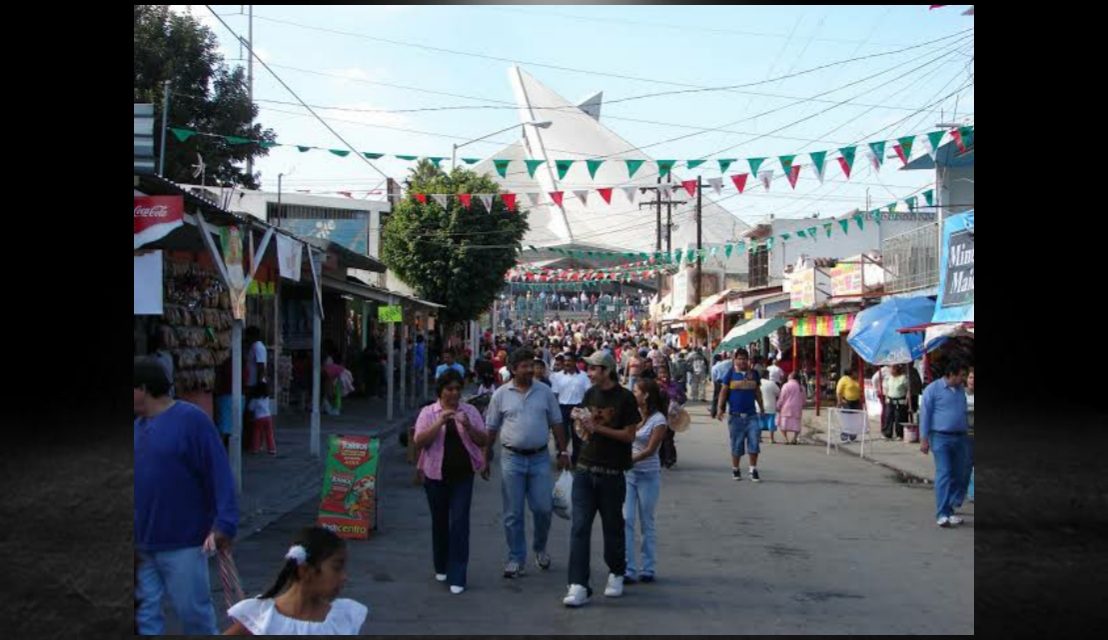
526 477
769 422
643 488
964 487
450 502
950 452
746 434
183 575
592 493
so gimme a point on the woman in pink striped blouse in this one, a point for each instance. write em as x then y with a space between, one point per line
451 436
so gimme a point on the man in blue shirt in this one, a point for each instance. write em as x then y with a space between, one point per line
719 369
185 504
743 387
448 363
943 428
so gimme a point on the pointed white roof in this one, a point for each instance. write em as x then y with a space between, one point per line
577 134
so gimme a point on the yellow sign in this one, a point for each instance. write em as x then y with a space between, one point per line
391 314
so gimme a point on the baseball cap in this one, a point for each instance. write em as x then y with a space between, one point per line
601 359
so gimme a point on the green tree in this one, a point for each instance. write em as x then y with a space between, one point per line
205 95
454 256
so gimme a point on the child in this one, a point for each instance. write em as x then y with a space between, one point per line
263 426
304 600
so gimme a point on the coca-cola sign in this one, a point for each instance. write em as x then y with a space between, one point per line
156 216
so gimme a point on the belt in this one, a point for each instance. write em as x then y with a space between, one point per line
601 470
744 415
897 400
526 452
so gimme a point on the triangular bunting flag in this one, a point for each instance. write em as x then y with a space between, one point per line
692 164
237 140
532 165
690 255
486 199
440 199
690 186
787 163
769 243
860 221
875 215
556 196
878 149
846 160
606 194
471 160
509 200
935 139
422 198
929 195
664 166
741 247
801 233
767 178
967 135
665 190
891 207
182 135
845 224
465 199
906 143
563 167
408 158
347 194
633 166
502 167
714 251
811 233
373 156
794 173
630 193
785 237
728 249
593 165
911 202
827 226
435 160
533 198
303 149
900 153
818 160
755 163
716 184
740 181
725 164
582 195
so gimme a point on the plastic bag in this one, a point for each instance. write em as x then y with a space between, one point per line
563 495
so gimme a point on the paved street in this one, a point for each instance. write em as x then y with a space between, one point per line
825 544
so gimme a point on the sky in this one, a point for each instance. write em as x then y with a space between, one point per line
355 60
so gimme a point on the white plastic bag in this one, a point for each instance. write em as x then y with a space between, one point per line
563 495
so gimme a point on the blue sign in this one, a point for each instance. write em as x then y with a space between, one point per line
955 303
352 234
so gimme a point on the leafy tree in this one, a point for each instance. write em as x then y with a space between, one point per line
205 95
454 256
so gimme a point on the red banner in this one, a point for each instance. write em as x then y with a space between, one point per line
156 216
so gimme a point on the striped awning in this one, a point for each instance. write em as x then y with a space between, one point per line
749 331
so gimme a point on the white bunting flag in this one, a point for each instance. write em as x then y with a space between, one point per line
716 184
665 190
766 177
533 198
583 196
630 191
486 199
440 199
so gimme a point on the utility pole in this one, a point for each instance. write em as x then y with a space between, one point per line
699 239
250 78
165 126
658 204
669 219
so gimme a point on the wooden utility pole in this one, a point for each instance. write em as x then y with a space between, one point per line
658 202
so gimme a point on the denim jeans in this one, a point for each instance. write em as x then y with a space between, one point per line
182 574
526 477
963 488
950 452
746 434
449 503
643 488
592 493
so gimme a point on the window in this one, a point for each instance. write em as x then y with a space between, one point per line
759 267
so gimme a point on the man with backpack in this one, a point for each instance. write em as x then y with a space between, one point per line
698 367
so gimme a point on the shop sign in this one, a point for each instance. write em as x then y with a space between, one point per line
156 217
348 501
955 302
802 292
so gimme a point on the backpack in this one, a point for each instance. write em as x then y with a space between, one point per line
699 367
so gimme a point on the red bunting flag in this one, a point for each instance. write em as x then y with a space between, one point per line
421 197
465 199
347 194
606 194
936 6
900 154
794 173
957 135
845 165
690 186
740 181
509 200
556 196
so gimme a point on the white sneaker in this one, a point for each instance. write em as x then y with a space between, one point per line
956 520
615 586
576 597
943 521
441 577
457 590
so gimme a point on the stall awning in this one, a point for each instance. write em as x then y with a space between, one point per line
707 303
750 331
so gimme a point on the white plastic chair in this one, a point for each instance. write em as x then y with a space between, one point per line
846 422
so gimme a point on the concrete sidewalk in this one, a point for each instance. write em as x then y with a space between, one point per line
273 486
902 457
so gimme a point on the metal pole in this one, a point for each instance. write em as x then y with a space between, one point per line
317 338
165 127
453 157
699 238
403 366
250 78
279 177
658 201
236 404
277 348
391 364
426 356
817 376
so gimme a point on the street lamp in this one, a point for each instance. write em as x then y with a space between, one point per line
545 124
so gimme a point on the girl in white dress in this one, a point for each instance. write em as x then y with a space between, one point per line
304 600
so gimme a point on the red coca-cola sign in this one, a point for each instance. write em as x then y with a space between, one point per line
156 216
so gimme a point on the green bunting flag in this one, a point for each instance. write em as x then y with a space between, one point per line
471 160
408 158
303 149
845 224
502 167
787 163
436 161
236 140
755 163
715 251
692 164
342 153
935 138
785 237
801 234
847 159
532 165
911 202
876 215
878 149
930 196
906 143
727 250
860 220
265 144
633 166
967 136
182 135
664 166
891 207
563 167
827 226
593 165
373 156
818 159
811 233
769 243
725 163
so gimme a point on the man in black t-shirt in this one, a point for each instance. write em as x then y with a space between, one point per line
598 480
